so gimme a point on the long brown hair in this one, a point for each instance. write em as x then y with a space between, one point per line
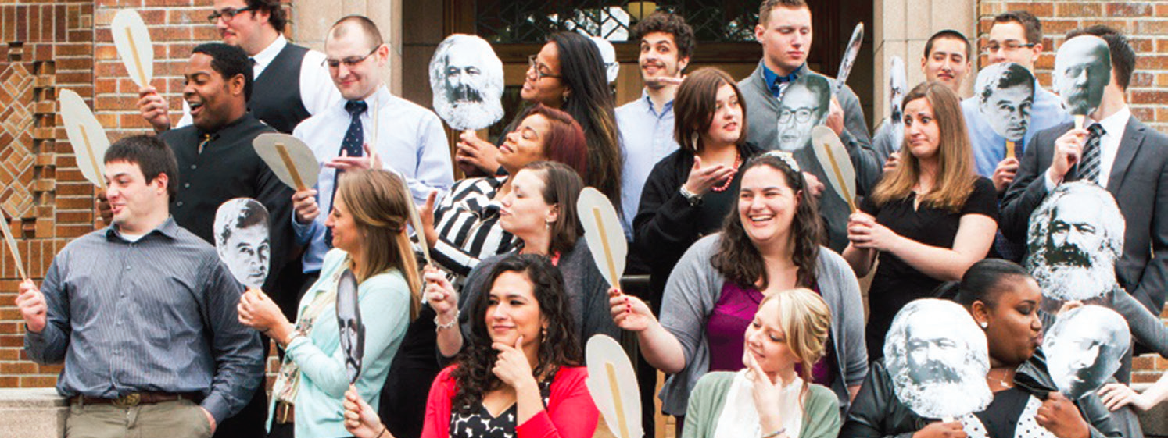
956 176
376 199
696 103
739 260
561 187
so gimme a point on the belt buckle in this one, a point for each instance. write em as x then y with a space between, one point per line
129 400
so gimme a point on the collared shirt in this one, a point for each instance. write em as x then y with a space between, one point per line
317 90
410 141
778 84
989 148
1113 128
157 314
646 136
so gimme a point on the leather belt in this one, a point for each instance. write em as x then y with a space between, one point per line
137 398
285 412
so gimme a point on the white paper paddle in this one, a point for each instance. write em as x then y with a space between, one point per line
603 232
290 159
833 157
11 243
613 386
86 135
132 40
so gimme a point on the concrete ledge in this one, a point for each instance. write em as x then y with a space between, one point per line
32 413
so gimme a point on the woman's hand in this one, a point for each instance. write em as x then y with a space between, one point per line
1060 416
258 311
512 366
865 233
629 312
361 420
702 178
426 214
440 294
767 395
941 430
1118 395
476 153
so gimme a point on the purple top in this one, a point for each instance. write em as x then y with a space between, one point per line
726 329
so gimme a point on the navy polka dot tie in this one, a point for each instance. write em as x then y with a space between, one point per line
353 145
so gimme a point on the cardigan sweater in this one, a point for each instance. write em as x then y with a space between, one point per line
694 289
821 414
570 412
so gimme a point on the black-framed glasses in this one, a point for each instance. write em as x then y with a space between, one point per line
802 115
533 65
350 61
1008 46
227 13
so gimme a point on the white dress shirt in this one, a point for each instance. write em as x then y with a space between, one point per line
1113 129
410 141
317 90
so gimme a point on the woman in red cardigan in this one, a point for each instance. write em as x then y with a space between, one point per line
519 375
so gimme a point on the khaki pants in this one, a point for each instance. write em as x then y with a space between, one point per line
172 419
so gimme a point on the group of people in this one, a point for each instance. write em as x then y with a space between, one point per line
753 306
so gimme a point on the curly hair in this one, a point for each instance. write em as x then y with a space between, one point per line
739 260
559 344
673 24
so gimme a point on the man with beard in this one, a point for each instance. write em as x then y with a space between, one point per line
1084 348
466 79
1074 240
1081 72
1005 93
217 162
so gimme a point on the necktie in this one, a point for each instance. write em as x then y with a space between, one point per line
352 145
1091 164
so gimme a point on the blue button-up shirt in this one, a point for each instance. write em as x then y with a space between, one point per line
777 84
156 314
989 148
646 136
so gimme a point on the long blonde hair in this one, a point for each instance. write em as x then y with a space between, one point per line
377 201
956 177
806 321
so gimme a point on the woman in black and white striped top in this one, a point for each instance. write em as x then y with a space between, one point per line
464 226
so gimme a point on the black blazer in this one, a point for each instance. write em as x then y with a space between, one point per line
1139 183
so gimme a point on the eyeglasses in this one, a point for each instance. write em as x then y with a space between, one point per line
533 65
1009 46
350 61
802 115
227 13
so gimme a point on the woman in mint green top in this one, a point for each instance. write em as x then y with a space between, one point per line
773 396
368 224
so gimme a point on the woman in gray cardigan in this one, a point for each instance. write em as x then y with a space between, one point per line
770 244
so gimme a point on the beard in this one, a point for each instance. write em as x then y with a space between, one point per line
943 399
1064 282
466 115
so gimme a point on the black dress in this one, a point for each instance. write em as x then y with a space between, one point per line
896 282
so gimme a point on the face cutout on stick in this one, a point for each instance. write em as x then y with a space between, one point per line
466 78
938 359
1074 240
608 54
1082 69
1005 94
349 322
897 87
804 105
242 240
1084 347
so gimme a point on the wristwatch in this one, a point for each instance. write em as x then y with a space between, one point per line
694 200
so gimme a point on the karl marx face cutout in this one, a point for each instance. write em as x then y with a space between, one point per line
349 322
242 240
1084 347
1005 97
1082 68
1074 239
897 87
608 54
938 360
804 105
466 78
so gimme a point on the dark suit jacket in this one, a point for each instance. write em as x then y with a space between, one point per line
1139 183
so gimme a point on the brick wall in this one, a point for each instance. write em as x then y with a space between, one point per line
1146 25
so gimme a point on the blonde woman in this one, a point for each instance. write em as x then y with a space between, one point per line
773 397
931 218
368 222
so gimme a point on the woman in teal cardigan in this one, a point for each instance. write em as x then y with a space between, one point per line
368 224
773 396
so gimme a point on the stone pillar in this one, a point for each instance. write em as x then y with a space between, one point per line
902 28
33 412
311 20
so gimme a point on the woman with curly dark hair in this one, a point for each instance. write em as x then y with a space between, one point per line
520 373
771 244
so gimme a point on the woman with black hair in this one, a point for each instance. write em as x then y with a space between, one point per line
518 376
567 74
1004 301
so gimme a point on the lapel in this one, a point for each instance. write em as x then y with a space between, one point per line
1129 146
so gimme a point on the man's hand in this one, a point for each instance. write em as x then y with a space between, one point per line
368 161
33 309
835 117
814 186
103 207
210 419
153 108
1067 151
1004 174
304 203
1060 416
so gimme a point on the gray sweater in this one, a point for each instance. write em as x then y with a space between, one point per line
695 287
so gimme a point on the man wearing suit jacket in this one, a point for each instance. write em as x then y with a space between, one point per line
1132 165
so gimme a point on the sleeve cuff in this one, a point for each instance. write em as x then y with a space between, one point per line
1048 181
215 404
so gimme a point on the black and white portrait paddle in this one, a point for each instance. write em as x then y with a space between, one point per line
243 240
349 322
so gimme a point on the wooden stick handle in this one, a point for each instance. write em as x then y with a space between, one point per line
92 158
622 422
1010 149
607 248
134 54
283 151
15 251
1080 121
